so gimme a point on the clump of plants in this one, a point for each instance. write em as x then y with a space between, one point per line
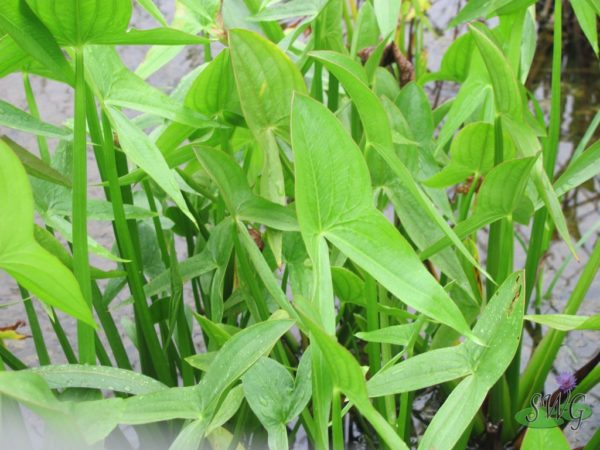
349 245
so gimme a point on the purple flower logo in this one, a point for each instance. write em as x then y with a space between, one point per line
566 382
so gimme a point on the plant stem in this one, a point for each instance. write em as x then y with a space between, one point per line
33 109
36 330
146 331
337 422
81 266
63 340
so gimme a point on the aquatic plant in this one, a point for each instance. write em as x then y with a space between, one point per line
332 215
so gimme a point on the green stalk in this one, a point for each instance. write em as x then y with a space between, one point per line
373 348
316 88
551 149
184 338
590 381
160 236
406 398
33 109
11 360
386 357
495 259
589 133
106 320
81 266
103 358
63 340
146 331
549 154
405 415
499 266
110 330
544 355
333 94
36 330
337 426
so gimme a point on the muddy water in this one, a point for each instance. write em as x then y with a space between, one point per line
581 89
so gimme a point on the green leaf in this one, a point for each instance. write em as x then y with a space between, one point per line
395 334
579 170
14 58
421 371
387 13
266 79
587 18
566 322
379 138
268 387
348 286
457 59
31 390
153 10
159 56
366 30
201 361
97 377
237 355
143 152
544 438
288 10
13 117
470 96
116 86
302 386
75 22
499 196
156 36
471 153
507 94
21 256
484 9
228 408
333 199
273 395
214 92
414 105
17 19
189 268
500 328
168 404
55 247
34 166
238 197
85 415
217 333
191 436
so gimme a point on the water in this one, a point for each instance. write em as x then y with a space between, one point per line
581 88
